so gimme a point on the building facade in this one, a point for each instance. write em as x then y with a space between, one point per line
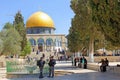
40 32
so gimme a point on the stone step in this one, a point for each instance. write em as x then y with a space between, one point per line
47 55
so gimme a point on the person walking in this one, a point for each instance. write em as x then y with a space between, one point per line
41 63
51 64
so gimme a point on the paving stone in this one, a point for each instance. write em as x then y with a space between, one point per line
76 74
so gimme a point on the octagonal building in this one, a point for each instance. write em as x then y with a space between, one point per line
40 32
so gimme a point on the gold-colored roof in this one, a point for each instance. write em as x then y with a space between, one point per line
39 19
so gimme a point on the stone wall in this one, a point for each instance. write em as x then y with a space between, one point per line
110 58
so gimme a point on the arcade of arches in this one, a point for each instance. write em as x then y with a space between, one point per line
48 43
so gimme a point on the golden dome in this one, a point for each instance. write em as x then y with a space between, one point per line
39 19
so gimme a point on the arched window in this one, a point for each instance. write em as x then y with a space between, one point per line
40 41
58 42
32 41
49 42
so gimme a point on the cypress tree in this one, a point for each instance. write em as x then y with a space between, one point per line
19 26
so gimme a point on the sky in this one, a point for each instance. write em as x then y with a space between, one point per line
58 10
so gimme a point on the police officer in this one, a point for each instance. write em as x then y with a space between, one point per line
51 64
41 63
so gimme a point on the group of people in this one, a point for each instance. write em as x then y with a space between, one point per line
51 64
104 64
82 62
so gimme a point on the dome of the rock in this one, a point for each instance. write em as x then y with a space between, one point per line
39 19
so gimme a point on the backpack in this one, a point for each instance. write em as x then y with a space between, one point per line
40 63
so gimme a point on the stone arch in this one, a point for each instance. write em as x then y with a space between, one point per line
40 42
58 44
49 44
32 41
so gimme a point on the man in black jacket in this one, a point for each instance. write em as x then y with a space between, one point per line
41 63
51 64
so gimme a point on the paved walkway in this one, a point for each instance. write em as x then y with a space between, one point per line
73 74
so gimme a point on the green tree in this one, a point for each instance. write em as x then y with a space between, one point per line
11 41
77 30
19 26
106 13
19 18
27 49
7 25
73 40
84 25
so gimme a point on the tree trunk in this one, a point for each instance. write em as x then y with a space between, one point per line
91 49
